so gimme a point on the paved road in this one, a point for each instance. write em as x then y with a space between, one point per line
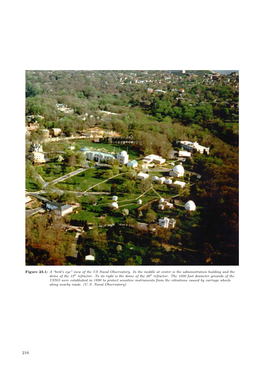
35 211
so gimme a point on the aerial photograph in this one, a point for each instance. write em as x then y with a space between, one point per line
131 167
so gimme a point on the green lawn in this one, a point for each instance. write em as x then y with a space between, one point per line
31 186
53 170
83 180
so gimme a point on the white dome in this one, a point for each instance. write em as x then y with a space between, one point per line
168 181
114 205
115 198
123 153
190 206
179 169
162 200
140 201
155 178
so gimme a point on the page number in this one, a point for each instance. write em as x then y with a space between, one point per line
25 352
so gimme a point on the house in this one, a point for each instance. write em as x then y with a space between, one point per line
122 157
142 175
59 208
132 164
55 131
166 222
36 148
91 255
177 171
40 157
154 158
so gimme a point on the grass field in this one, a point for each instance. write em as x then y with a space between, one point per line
53 170
85 180
31 186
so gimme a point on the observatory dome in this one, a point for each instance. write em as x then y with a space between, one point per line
190 206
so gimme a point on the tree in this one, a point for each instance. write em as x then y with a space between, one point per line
80 158
151 216
128 187
144 185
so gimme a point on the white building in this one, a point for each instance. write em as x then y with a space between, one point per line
115 198
154 158
168 181
188 145
165 206
190 206
91 255
39 157
132 164
167 223
97 156
178 171
142 175
161 180
114 206
59 208
122 157
185 154
180 183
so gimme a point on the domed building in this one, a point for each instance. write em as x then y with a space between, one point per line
178 171
114 206
190 206
115 198
168 181
122 157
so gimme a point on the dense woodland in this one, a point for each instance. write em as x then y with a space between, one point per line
181 107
